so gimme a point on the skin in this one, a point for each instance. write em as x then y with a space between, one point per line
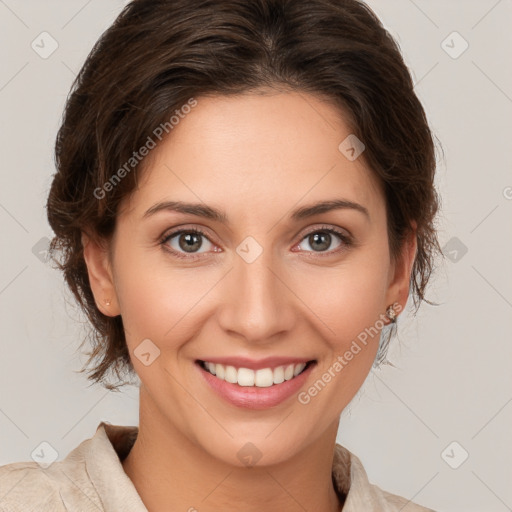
256 157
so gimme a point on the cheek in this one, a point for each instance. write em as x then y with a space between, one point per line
346 307
351 328
158 301
345 300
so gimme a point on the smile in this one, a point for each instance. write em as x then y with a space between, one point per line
261 378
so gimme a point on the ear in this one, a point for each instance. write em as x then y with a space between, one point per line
400 273
96 256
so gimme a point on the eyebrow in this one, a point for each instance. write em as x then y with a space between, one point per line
208 212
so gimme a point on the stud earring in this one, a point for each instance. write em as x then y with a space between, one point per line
107 302
391 314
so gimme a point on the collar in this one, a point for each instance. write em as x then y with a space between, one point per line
112 443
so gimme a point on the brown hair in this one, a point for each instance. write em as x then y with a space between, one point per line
158 54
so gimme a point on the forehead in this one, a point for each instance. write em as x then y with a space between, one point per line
254 152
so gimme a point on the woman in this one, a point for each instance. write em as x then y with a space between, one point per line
207 148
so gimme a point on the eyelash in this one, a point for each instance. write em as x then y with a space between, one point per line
346 240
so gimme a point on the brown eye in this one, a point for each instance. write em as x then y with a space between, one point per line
190 242
320 240
187 241
325 240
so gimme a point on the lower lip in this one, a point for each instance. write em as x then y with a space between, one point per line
254 397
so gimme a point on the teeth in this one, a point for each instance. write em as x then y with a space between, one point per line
279 375
298 368
219 371
245 377
231 374
263 378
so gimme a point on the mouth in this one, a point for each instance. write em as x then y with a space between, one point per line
265 377
256 385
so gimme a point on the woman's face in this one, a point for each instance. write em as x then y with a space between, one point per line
266 281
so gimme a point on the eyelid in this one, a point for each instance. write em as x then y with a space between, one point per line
178 230
194 228
346 238
328 227
344 235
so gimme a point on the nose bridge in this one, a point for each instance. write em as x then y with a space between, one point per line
258 305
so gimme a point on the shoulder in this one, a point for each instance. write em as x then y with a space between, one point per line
398 503
352 481
23 484
63 484
91 478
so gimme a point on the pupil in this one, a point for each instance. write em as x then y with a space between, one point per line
190 242
319 238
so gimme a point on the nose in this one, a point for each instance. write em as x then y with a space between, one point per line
259 305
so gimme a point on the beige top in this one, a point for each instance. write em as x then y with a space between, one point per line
92 479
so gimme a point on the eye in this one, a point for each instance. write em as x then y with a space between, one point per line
322 239
187 241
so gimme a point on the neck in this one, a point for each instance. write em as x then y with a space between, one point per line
170 472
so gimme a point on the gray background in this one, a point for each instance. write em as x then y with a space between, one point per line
452 380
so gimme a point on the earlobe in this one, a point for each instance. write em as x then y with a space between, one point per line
398 290
101 280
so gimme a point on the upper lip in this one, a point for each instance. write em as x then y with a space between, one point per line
256 364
